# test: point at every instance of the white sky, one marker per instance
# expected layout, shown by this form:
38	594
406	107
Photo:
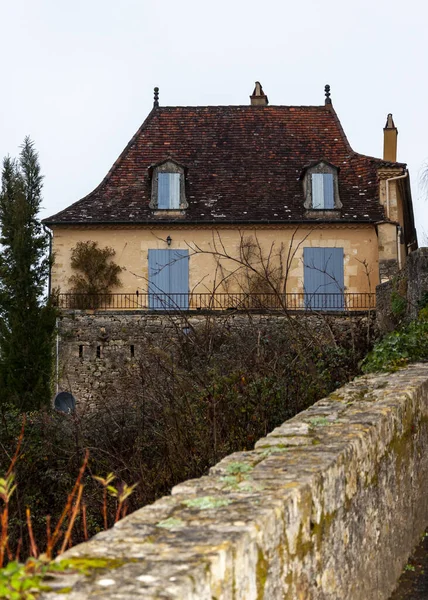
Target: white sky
78	76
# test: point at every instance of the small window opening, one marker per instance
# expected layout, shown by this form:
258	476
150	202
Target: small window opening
169	190
132	351
98	351
80	351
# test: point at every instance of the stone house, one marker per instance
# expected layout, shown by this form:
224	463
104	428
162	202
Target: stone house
208	206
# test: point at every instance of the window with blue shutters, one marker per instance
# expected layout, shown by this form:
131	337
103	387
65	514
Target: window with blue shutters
321	187
168	189
323	278
168	279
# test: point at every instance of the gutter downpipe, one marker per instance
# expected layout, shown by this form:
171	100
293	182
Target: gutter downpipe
406	174
57	355
50	234
398	247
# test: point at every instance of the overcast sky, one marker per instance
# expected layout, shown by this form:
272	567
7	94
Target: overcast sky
78	76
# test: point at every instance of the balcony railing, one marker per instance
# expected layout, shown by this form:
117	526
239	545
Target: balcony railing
219	301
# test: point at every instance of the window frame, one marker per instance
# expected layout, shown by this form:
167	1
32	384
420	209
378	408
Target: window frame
321	168
171	167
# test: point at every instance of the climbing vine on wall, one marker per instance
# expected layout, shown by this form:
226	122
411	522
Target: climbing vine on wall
95	271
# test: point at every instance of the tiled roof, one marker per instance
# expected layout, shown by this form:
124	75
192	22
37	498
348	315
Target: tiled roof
243	164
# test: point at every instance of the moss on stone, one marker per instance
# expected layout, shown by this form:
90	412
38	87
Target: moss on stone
87	564
302	548
262	569
206	502
321	529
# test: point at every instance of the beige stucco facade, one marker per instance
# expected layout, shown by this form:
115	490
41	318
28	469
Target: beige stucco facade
391	250
277	249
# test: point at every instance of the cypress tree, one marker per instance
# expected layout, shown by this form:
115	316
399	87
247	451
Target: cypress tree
27	320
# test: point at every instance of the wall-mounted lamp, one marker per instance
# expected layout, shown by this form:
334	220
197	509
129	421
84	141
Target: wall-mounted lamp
169	240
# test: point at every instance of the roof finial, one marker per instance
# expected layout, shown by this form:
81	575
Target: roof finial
156	100
327	94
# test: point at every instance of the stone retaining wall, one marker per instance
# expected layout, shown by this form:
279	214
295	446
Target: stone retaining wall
409	285
95	349
328	506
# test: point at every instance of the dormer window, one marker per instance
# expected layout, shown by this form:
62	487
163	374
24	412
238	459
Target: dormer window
168	190
321	187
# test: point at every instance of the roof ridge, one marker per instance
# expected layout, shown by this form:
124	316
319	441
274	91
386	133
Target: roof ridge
380	160
339	125
246	106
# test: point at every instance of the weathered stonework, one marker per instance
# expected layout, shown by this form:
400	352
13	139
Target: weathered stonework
417	277
409	284
327	506
96	349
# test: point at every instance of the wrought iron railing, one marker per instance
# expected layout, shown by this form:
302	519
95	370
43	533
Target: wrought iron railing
218	301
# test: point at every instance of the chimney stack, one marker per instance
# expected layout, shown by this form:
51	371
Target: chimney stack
258	97
390	133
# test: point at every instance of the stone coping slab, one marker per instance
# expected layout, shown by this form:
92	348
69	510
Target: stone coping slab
327	506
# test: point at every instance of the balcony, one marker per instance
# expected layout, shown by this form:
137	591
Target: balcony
256	302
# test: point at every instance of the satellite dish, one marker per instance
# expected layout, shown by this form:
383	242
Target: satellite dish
65	402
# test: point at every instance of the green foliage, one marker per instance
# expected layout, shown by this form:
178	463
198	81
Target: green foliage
45	471
25	581
236	468
7	487
398	304
423	302
397	349
98	274
171	523
21	581
319	421
27	322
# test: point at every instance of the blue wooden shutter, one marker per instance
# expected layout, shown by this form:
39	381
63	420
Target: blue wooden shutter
179	279
163	190
317	191
323	278
158	279
328	190
168	279
174	183
322	191
333	259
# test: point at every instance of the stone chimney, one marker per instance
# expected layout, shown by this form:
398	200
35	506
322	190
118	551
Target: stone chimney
390	133
258	97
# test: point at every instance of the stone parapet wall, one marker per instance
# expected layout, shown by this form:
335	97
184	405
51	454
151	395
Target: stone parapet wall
327	506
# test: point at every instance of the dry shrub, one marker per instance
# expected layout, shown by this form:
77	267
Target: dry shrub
188	400
98	274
